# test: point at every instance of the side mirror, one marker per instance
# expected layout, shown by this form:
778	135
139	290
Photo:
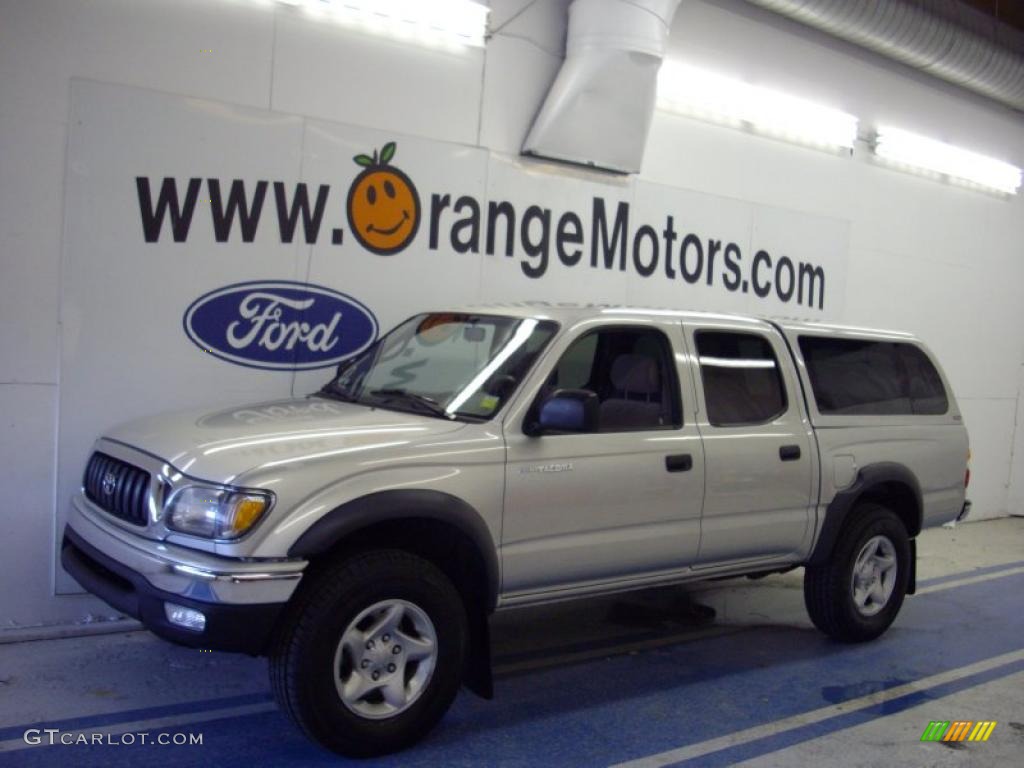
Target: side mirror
566	410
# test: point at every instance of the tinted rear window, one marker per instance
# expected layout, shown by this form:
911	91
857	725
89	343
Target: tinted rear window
853	376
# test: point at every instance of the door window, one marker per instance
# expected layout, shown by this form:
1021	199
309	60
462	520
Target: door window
632	373
741	377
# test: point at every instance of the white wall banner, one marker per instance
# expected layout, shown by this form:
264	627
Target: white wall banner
215	254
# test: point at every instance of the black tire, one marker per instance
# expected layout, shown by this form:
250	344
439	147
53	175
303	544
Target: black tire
828	588
302	657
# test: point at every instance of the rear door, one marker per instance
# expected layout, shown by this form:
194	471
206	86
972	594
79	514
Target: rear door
619	503
760	457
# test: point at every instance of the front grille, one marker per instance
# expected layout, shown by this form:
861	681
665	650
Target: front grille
117	487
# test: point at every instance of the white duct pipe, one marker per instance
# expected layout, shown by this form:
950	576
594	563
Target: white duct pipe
599	109
944	38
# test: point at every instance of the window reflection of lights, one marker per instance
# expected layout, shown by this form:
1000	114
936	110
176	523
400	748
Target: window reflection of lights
523	332
727	362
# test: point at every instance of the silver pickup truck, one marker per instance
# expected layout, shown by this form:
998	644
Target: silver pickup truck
482	458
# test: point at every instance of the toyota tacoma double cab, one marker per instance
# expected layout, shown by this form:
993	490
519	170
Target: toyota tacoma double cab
483	458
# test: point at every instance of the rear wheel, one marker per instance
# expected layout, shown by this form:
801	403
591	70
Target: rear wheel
856	595
371	653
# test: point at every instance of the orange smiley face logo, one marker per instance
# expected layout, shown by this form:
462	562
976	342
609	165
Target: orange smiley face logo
383	205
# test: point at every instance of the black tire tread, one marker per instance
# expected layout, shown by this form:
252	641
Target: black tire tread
825	585
325	589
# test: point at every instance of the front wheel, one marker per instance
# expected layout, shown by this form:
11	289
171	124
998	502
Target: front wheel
856	595
371	654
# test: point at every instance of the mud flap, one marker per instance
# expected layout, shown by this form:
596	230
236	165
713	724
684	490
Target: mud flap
478	674
912	582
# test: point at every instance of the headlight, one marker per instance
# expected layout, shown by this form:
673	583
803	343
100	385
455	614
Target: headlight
215	513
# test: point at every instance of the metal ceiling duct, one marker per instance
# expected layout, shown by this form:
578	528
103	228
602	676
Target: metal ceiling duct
944	38
599	109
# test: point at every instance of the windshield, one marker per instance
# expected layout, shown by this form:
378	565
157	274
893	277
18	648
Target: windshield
444	364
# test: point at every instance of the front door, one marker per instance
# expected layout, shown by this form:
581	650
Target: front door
622	501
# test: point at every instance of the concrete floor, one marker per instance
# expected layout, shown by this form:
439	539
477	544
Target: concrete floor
646	679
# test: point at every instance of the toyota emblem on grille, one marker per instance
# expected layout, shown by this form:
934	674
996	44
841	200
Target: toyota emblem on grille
109	483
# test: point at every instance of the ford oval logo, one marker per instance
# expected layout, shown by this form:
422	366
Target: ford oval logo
279	325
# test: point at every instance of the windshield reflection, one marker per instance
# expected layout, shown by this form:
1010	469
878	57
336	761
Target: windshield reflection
446	365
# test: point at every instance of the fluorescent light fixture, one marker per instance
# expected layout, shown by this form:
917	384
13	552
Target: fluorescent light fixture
439	23
911	151
695	92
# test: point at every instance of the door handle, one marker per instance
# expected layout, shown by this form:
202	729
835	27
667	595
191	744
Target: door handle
789	452
681	462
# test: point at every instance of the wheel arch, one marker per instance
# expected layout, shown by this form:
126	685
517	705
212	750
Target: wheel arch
887	483
397	511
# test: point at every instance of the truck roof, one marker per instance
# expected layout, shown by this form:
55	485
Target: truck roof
569	312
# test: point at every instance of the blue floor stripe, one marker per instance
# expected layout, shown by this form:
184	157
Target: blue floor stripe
784	739
969	574
131	715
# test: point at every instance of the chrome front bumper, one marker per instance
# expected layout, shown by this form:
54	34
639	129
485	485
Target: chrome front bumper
182	571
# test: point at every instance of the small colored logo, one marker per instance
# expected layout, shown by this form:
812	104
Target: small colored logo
109	484
958	730
279	325
383	204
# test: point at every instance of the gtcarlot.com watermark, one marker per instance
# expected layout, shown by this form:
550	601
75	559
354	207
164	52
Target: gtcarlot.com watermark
43	737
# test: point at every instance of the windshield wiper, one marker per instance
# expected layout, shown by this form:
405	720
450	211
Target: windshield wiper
427	403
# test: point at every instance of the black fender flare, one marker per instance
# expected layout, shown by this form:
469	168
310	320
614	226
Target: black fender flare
839	509
397	505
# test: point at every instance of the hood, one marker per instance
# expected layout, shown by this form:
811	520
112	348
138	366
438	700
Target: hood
221	445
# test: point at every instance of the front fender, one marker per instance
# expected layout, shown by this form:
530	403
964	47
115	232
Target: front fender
400	504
